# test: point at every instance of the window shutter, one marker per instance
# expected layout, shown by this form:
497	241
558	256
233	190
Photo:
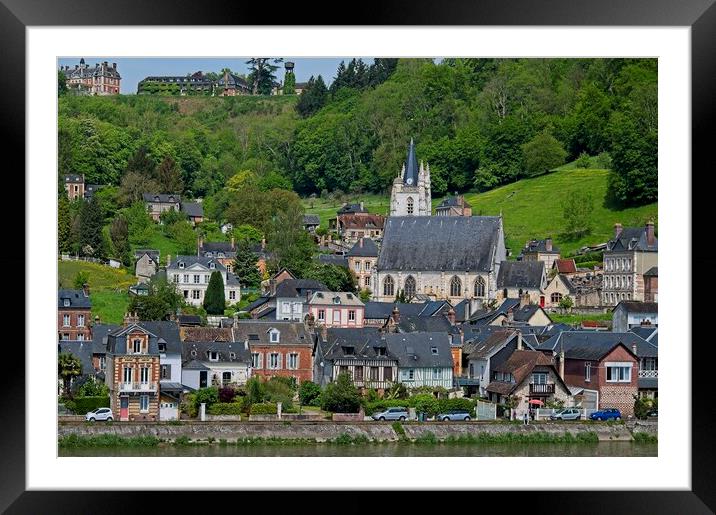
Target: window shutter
280	356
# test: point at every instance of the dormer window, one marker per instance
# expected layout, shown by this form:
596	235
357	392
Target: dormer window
274	336
434	350
193	353
181	264
336	300
137	346
162	347
66	302
212	266
379	351
213	355
348	350
232	355
208	254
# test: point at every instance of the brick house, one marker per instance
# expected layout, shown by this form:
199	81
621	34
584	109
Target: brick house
75	186
600	367
103	79
133	371
336	309
651	285
73	314
361	261
158	203
277	348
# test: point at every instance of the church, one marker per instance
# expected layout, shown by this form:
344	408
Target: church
444	258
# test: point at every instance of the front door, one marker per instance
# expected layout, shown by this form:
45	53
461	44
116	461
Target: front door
124	408
202	379
541	301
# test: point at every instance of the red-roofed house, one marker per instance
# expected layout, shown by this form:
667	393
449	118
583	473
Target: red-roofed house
565	266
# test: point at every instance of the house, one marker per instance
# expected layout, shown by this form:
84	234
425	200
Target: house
445	258
91	189
333	259
361	352
540	250
633	252
651	284
191	275
411	192
194	211
291	298
157	203
564	266
73	314
189	320
424	358
215	363
141	289
195	84
146	264
513	313
361	260
223	251
232	85
377	313
99	345
599	366
336	309
277	348
522	277
311	223
353	226
268	287
629	314
101	80
527	376
300	87
75	186
648	354
557	289
587	288
454	206
133	371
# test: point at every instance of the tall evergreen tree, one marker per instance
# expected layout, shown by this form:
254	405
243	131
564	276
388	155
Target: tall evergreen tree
90	228
245	265
142	163
119	233
64	224
214	300
289	84
169	176
340	79
262	74
313	97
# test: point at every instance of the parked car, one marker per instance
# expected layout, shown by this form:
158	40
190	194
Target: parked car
454	414
398	413
566	414
99	414
652	413
606	414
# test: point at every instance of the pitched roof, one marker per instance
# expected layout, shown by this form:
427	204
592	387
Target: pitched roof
311	220
520	274
99	337
382	310
228	352
335	297
416	323
420	349
333	259
193	260
484	347
652	272
539	246
427	243
257	332
361	221
192	209
632	238
79	349
635	306
592	345
565	266
357	342
161	197
74	178
195	365
153	254
453	202
206	334
351	208
76	298
644	331
364	247
189	320
520	364
298	287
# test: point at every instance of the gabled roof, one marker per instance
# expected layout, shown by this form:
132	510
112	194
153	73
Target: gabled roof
189	320
217	246
652	272
520	274
333	259
635	306
360	342
206	334
477	348
632	238
161	197
519	314
79	349
257	332
361	221
153	254
298	287
228	352
192	209
77	300
539	246
420	349
521	364
335	298
311	220
440	323
382	310
351	208
74	178
453	202
592	345
193	260
364	247
565	266
99	337
430	243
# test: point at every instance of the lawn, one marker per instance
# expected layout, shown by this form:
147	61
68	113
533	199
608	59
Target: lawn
109	305
166	246
573	319
326	209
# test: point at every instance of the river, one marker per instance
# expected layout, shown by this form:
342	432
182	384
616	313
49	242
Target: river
625	449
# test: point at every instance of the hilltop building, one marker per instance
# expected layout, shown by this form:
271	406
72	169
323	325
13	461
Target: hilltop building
102	79
411	189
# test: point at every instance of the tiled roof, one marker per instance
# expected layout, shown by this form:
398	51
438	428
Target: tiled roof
206	334
335	298
632	238
634	306
258	332
193	209
228	352
539	246
565	266
311	220
593	345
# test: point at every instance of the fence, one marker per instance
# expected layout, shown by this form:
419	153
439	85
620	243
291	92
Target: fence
545	413
486	410
108	262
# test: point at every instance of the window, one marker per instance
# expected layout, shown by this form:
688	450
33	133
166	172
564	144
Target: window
212	266
358	266
65	336
358	372
387	374
321	314
144	403
411	374
225	378
274	361
186	294
366	282
102	362
374	373
232	294
343	369
137	346
539	378
292	361
127	374
410	204
255	360
186	278
455	286
587	372
165	372
388	287
66	320
479	287
144	375
66	303
437	373
336	316
181	265
351	315
275	336
175	278
434	350
196	278
285	307
618	372
410	287
213	355
195	294
80	320
556	298
206	278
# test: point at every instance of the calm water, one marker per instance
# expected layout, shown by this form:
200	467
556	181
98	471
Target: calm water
628	449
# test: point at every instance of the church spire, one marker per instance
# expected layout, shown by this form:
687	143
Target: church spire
411	168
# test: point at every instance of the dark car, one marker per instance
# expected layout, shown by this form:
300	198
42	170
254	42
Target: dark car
606	414
652	413
454	414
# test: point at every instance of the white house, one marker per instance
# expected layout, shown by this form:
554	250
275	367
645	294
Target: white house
191	274
215	364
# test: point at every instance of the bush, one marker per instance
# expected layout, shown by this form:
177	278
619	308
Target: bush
308	392
583	161
84	404
226	395
603	160
642	407
263	408
226	408
341	396
93	388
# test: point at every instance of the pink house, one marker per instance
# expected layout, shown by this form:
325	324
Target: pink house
336	309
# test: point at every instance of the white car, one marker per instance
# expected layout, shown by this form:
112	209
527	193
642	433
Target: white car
99	414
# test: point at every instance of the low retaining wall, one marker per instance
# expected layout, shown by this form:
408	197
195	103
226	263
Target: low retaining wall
322	431
223	418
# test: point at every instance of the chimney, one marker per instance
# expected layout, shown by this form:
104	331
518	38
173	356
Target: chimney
233	243
650	232
617	230
96	320
360	243
451	316
130	318
467	310
519	340
561	364
395	315
114	65
548	244
86	289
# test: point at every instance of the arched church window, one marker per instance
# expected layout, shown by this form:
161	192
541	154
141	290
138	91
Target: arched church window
409	287
455	286
479	287
410	205
388	287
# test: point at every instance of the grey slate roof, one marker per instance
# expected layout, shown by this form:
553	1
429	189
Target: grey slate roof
160	332
257	332
191	260
257	303
652	272
593	345
229	352
195	365
79	349
351	208
333	259
648	383
99	337
414	350
74	178
362	341
539	246
520	274
192	209
432	243
412	324
364	247
152	253
519	314
632	238
382	310
483	346
163	197
644	331
452	202
189	320
298	287
634	306
311	220
91	189
77	300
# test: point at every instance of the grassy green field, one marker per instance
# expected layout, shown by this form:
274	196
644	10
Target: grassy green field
326	209
573	319
108	287
532	208
159	241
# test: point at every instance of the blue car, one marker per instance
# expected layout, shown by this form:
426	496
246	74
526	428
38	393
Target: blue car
606	414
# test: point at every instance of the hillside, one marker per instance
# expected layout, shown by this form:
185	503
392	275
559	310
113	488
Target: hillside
531	208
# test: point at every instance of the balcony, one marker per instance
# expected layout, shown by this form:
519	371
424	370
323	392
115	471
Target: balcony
138	387
648	373
541	389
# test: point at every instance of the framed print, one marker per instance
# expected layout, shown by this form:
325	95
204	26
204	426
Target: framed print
290	272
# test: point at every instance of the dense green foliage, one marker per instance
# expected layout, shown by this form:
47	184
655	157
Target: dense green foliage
309	392
226	408
245	265
214	299
264	408
162	301
68	367
82	405
341	396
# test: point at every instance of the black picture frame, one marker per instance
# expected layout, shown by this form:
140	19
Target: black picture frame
699	15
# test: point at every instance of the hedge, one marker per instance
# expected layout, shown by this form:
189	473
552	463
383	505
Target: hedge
81	405
263	408
226	408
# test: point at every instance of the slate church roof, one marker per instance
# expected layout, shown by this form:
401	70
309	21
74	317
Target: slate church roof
520	274
439	243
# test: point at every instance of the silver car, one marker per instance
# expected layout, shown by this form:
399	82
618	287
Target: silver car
99	414
392	414
455	414
566	414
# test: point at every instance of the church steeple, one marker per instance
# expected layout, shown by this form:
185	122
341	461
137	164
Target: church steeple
411	169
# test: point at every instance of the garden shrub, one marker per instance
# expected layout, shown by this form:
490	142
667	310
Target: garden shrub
263	408
226	408
84	404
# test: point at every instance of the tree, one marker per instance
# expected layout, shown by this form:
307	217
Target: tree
308	392
341	396
61	83
214	300
577	212
290	243
172	216
335	277
543	153
365	295
64	225
245	265
183	235
169	176
262	75
90	230
400	296
289	84
162	301
68	367
140	226
81	278
255	390
247	233
566	303
119	233
134	185
93	388
313	97
141	163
